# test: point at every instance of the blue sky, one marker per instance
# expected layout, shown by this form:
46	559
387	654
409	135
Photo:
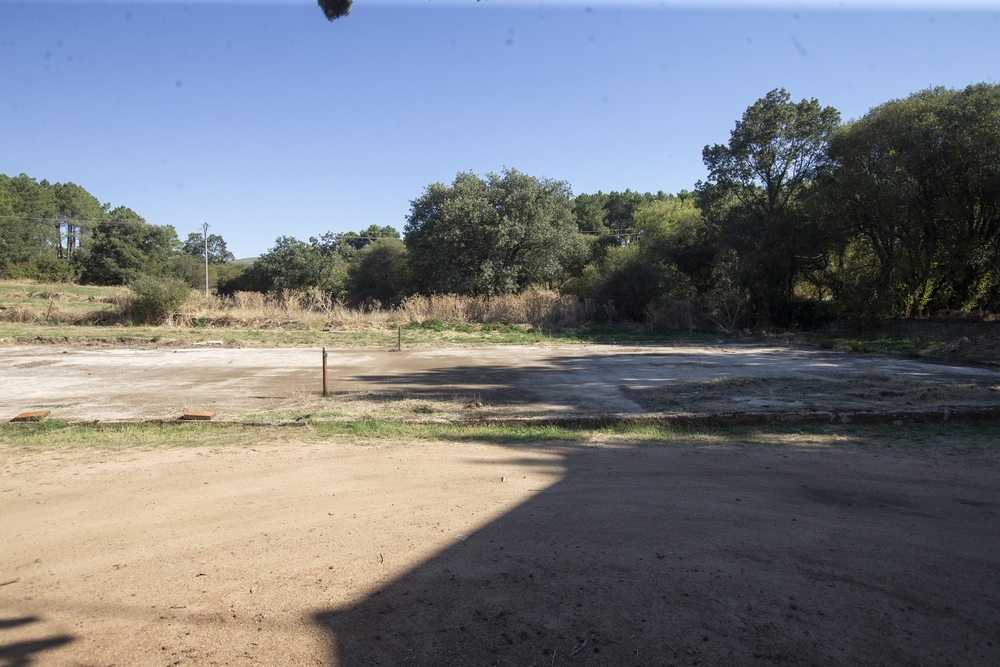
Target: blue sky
263	119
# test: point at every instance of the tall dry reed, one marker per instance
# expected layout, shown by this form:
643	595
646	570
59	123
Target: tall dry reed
315	310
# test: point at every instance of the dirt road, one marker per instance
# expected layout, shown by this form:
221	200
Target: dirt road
77	383
333	553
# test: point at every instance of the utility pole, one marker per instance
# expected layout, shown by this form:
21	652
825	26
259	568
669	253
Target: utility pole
204	235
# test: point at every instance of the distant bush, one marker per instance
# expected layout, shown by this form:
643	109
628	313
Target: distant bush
379	272
191	270
47	270
154	300
235	278
221	276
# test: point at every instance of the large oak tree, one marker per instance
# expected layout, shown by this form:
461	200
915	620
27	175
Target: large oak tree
490	236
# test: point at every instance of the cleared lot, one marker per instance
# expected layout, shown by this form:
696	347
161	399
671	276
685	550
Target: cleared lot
837	546
470	381
832	550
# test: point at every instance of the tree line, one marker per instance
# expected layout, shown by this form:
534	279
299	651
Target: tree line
60	232
802	219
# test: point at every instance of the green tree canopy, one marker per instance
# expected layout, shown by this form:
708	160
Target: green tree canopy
194	246
491	236
667	218
123	247
321	263
645	267
298	265
78	209
358	240
27	208
591	215
756	189
918	182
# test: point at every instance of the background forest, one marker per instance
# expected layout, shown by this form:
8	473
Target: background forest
803	219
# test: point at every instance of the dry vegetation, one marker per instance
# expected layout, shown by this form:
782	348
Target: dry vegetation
544	310
28	304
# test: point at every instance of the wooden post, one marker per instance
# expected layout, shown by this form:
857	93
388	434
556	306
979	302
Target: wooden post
399	338
325	392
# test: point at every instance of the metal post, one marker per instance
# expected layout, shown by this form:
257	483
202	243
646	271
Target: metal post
325	392
399	338
204	234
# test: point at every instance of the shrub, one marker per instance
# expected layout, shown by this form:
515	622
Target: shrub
630	279
431	324
154	300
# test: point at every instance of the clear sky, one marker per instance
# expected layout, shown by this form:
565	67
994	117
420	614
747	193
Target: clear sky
263	119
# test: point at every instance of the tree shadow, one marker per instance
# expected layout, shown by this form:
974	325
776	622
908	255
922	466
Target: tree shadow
633	382
670	556
571	382
25	652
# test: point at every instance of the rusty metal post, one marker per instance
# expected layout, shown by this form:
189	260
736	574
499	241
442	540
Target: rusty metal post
399	338
325	392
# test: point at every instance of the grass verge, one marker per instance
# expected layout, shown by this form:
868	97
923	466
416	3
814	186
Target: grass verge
969	440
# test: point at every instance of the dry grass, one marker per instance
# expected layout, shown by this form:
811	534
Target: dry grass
543	310
297	310
62	304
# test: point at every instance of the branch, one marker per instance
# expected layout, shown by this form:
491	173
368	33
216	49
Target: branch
335	9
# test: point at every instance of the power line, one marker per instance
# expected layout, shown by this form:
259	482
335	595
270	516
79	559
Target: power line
73	220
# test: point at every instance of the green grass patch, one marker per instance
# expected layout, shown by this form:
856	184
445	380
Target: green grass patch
58	435
978	441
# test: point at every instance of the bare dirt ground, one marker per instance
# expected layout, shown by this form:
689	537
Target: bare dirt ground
340	553
450	382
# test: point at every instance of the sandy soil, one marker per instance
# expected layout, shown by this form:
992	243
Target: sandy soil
453	382
333	553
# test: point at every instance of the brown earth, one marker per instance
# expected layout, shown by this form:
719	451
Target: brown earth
340	553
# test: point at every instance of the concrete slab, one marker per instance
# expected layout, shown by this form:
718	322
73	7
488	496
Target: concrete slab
516	380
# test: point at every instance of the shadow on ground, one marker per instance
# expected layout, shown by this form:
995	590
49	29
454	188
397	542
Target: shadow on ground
663	556
25	653
717	381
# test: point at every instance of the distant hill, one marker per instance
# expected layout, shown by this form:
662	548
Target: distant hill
245	260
